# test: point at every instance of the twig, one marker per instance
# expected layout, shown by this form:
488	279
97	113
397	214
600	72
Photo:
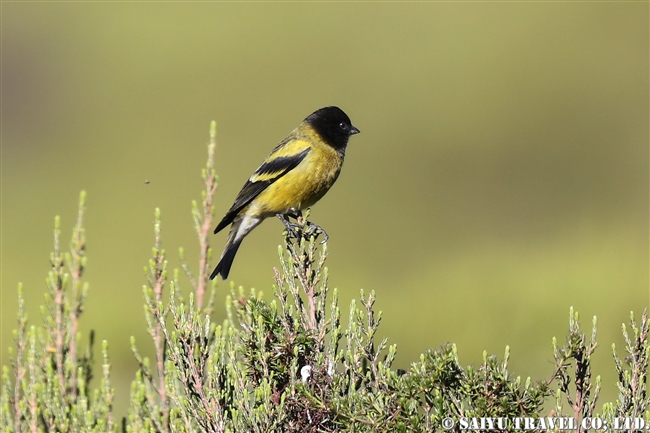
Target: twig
204	229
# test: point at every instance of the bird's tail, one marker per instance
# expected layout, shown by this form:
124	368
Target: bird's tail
239	229
223	267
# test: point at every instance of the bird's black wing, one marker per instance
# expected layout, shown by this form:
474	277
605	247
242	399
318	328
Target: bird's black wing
276	165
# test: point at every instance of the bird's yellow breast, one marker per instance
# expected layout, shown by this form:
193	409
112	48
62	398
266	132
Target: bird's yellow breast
304	185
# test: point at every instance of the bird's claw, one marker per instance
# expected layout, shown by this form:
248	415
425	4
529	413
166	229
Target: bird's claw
315	230
293	229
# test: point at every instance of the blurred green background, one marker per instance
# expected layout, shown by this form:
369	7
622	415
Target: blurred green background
501	175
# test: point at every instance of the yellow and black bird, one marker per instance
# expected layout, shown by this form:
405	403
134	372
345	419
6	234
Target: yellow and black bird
297	173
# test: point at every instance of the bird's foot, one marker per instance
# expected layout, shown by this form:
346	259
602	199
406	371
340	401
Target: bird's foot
314	230
298	228
292	228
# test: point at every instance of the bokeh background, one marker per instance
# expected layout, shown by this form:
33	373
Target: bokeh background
501	175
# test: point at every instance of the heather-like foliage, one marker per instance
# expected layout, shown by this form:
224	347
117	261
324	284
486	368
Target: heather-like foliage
298	362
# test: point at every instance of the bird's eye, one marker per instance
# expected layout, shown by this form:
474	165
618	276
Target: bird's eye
343	126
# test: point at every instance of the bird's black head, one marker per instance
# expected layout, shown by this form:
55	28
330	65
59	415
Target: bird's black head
333	125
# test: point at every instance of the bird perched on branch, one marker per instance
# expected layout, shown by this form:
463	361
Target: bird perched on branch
297	173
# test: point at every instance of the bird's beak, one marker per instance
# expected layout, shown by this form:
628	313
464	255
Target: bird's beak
354	130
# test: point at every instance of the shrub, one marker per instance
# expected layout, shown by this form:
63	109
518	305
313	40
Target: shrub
285	365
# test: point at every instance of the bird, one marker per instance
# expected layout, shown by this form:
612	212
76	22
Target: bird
294	176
